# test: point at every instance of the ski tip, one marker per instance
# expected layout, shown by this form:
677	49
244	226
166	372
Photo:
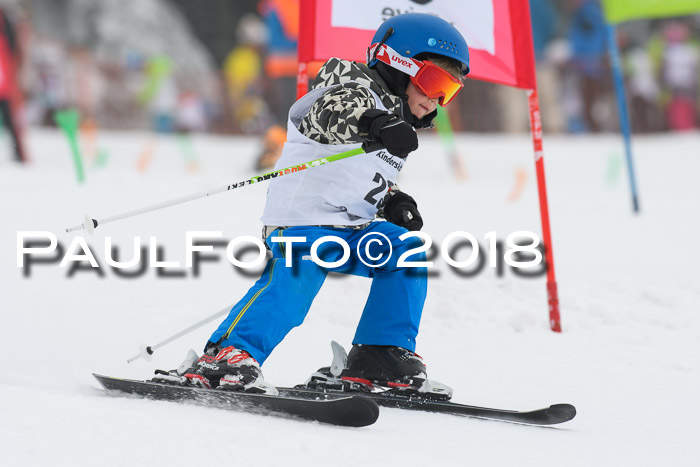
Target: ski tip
562	412
100	377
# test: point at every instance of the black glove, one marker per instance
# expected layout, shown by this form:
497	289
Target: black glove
400	209
397	136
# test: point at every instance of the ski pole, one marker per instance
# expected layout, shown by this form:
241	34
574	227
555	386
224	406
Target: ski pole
91	224
145	351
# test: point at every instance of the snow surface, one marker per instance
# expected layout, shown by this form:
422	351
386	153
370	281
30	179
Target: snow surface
628	285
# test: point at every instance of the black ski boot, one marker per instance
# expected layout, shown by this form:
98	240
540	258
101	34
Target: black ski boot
390	366
377	368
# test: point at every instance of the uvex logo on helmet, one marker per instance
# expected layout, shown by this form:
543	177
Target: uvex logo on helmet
401	61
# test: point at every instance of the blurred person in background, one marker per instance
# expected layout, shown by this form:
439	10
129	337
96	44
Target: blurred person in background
10	95
642	86
281	18
680	69
587	38
191	114
48	81
160	93
545	21
86	84
243	70
273	143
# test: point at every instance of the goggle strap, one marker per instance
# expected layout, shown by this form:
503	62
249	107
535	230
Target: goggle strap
386	54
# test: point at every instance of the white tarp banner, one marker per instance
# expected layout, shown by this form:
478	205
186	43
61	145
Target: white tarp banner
473	18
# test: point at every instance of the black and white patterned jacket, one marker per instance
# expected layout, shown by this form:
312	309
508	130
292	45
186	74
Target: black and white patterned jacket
334	118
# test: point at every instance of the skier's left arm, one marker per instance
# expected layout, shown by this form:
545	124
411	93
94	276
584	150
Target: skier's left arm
401	209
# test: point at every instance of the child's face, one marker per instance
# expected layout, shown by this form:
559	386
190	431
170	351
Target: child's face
420	104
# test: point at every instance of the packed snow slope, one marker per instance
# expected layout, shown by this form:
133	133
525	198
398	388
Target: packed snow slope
629	289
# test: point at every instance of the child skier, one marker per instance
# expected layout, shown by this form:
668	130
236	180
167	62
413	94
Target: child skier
415	61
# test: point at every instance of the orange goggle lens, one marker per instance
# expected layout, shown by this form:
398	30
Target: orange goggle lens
433	81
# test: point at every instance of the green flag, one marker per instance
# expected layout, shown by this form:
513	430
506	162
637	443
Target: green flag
617	11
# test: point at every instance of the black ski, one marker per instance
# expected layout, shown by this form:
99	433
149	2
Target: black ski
344	410
552	415
329	406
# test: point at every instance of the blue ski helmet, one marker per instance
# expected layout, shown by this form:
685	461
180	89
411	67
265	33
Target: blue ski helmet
418	33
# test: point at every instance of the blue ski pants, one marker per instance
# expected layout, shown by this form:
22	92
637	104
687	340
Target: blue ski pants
281	298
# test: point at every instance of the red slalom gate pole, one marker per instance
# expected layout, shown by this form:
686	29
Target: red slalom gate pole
302	79
536	128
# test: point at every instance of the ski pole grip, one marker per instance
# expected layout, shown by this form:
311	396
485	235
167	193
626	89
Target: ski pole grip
371	146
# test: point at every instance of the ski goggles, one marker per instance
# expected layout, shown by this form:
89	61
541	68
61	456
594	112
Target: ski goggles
434	81
429	78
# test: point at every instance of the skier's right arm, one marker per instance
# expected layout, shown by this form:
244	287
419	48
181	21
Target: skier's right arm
335	117
347	114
